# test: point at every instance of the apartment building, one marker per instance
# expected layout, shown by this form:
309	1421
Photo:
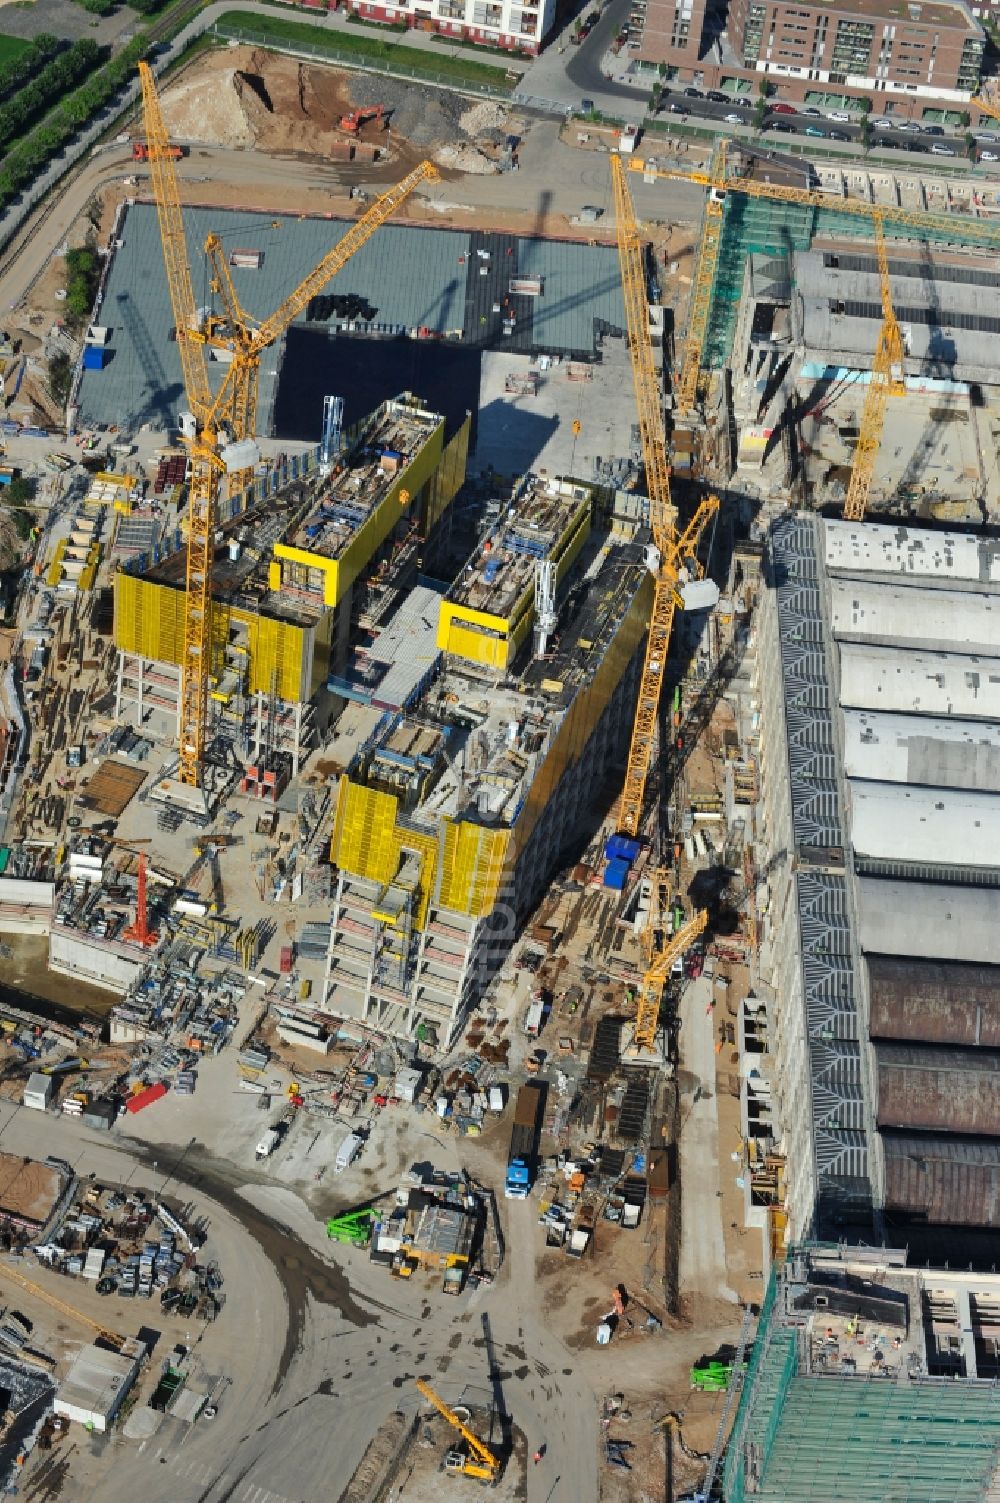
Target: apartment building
518	25
933	50
899	48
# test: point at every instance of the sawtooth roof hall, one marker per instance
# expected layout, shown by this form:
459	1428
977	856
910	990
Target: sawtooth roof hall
878	668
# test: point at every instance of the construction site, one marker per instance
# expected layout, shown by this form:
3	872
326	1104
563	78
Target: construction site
503	738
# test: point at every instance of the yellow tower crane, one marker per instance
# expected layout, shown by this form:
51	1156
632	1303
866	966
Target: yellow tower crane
660	957
673	554
702	285
481	1462
224	421
720	183
886	381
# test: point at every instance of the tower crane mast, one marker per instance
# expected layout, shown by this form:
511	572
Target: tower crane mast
672	552
229	414
886	381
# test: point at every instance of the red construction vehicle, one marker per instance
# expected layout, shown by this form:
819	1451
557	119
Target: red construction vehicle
140	152
353	122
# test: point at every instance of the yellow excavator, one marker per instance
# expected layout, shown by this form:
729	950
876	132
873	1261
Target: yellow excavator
477	1460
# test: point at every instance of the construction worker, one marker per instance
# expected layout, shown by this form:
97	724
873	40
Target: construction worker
538	1455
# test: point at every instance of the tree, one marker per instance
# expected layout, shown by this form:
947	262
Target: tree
24	520
970	146
60	377
20	491
655	97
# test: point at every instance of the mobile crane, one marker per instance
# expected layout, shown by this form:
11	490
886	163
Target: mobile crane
480	1462
221	428
112	1338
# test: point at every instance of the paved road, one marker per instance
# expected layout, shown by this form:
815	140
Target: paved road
319	1346
702	1262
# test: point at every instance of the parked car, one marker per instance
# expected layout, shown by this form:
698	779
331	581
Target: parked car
883	123
989	156
814	130
837	115
789	130
783	109
718	98
933	130
733	119
810	112
837	135
940	150
987	135
693	94
676	109
908	125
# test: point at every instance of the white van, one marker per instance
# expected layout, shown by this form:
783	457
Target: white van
348	1152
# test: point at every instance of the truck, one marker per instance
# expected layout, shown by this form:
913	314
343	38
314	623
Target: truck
140	152
268	1143
348	1152
524	1142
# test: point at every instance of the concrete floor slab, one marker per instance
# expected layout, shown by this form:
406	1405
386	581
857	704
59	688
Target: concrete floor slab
702	1266
520	433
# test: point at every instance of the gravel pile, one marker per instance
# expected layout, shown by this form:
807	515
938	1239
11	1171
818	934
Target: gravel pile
424	115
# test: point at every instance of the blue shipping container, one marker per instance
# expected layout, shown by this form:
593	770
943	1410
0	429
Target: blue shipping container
93	357
624	846
616	874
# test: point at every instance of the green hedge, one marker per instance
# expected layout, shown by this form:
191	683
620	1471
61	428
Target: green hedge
56	79
30	155
20	61
276	30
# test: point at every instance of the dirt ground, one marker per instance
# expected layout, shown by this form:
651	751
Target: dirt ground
248	98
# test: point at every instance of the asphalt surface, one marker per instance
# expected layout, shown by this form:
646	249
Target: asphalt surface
314	1347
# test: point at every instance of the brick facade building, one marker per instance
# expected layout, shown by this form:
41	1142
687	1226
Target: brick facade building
926	50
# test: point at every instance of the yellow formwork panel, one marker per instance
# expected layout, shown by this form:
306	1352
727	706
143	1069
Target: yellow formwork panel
368	842
149	620
365	839
471	867
54	574
448	478
456	634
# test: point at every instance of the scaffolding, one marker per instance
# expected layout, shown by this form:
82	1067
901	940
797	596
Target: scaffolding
804	1436
774	227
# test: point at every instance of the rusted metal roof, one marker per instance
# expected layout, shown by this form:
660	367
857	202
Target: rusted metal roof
945	1181
934	1002
943	1090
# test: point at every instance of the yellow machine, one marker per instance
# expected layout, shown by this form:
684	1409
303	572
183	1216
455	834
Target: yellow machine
673	552
886	381
480	1462
223	422
659	960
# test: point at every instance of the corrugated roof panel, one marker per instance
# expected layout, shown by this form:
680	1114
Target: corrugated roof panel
934	1003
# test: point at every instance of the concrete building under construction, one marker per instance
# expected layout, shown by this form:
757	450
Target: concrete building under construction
293	560
877	672
868	1379
453	812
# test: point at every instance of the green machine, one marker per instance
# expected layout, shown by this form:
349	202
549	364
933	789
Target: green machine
712	1378
355	1228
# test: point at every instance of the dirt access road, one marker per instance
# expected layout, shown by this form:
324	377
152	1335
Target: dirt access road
316	1352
